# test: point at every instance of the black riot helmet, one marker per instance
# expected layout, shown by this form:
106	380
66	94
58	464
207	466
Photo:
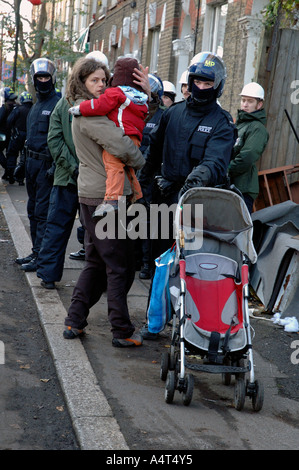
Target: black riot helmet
25	97
156	84
208	66
41	67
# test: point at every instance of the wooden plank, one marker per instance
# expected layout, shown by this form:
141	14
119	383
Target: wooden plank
282	148
292	107
294	187
283	80
277	188
288	168
274	113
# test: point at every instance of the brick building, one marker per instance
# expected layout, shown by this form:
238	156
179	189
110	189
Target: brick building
165	35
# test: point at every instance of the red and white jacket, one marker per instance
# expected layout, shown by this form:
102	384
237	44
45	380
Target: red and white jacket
128	110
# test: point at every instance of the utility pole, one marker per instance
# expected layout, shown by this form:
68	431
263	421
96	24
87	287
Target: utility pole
1	47
52	28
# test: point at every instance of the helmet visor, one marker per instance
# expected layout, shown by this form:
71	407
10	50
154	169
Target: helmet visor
42	67
208	67
155	84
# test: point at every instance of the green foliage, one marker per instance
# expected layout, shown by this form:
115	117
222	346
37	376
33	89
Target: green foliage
54	41
285	8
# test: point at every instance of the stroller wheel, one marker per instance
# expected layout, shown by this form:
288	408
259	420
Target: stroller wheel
173	361
240	393
258	396
188	389
170	386
165	359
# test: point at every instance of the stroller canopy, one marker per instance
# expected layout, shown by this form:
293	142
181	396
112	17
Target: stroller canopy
217	214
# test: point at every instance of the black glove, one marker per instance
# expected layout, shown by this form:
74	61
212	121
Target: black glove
165	186
146	174
200	176
19	172
50	172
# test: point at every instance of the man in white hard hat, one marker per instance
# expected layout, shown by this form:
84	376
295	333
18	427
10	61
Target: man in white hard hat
169	94
251	142
184	85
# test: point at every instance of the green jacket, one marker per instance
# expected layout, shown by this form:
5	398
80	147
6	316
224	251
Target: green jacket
251	142
61	145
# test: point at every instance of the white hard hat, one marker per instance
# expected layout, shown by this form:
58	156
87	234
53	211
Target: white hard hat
254	90
99	56
184	77
169	87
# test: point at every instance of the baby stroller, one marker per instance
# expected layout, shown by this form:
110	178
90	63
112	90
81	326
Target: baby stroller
209	295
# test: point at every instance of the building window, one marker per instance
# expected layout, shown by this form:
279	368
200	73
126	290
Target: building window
214	28
153	50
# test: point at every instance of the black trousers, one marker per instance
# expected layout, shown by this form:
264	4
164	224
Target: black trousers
62	211
16	144
109	266
39	189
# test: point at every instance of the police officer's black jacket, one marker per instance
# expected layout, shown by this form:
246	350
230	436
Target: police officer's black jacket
38	121
149	126
189	135
18	117
5	111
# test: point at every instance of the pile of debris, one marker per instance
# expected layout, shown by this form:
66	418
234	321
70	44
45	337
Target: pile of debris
275	276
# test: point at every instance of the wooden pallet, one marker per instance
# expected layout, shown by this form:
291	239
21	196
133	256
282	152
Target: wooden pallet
275	186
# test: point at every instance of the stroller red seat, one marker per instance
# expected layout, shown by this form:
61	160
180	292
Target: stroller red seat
213	302
214	298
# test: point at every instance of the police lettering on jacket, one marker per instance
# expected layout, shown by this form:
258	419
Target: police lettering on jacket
38	121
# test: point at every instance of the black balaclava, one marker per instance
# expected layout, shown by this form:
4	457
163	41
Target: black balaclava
43	88
203	96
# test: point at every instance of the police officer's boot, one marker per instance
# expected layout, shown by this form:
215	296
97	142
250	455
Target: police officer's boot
146	272
25	260
31	266
10	176
5	175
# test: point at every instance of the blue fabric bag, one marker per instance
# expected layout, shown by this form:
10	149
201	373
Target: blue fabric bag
159	310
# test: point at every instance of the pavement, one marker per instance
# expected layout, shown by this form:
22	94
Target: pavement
94	424
115	397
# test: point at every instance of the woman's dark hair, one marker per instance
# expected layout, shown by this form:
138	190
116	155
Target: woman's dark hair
76	82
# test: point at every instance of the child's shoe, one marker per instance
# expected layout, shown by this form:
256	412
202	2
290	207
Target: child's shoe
134	340
71	333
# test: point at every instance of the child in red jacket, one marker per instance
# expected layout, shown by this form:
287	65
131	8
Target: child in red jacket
125	105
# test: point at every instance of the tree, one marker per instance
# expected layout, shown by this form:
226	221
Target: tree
51	39
288	9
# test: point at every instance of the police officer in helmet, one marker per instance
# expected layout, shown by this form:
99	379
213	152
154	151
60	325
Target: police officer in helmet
17	123
39	162
193	142
5	110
